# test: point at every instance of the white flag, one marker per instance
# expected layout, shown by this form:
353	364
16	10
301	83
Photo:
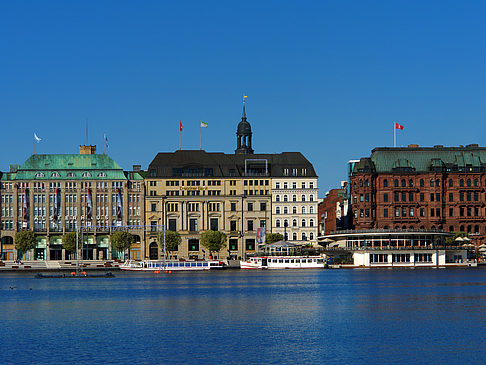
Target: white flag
37	139
106	141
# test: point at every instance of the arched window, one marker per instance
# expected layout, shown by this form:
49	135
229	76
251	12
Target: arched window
55	174
303	223
311	209
385	183
311	222
360	183
294	198
432	182
422	183
39	174
285	210
277	210
303	198
286	222
277	198
461	183
476	229
437	182
286	198
101	174
403	183
277	223
303	210
476	182
294	210
86	174
410	183
311	236
451	228
311	198
294	222
461	228
469	229
451	183
468	182
304	238
395	183
367	183
294	236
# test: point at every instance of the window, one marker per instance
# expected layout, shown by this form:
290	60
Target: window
385	183
277	210
422	197
468	182
285	198
263	207
233	226
213	224
250	244
277	198
277	223
250	207
410	183
193	244
294	198
396	196
233	207
303	223
311	222
153	207
422	183
404	184
451	183
233	244
385	197
172	225
294	222
193	224
385	213
250	225
410	197
451	196
461	183
303	198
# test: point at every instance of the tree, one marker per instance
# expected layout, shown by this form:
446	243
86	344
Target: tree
69	242
451	240
213	240
24	241
172	240
273	237
121	241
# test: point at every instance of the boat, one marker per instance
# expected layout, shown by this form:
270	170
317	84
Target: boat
284	262
146	265
74	275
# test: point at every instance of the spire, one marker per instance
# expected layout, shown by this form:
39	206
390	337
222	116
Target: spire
243	117
243	134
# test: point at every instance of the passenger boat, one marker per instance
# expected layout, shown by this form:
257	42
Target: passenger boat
284	262
145	265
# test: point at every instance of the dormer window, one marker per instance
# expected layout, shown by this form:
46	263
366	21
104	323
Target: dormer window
39	174
55	174
101	174
70	174
86	174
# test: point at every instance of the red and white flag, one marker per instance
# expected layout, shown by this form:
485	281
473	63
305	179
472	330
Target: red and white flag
398	126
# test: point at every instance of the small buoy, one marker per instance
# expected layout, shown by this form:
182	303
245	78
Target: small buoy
156	271
170	271
166	271
73	273
84	273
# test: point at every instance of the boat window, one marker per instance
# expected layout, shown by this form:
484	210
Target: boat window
280	261
292	261
205	264
199	264
188	264
286	261
193	264
169	264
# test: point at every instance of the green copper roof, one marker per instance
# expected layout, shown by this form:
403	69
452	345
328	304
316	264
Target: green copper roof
422	159
70	167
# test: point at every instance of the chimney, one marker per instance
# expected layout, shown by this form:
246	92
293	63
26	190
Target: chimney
87	150
413	145
137	168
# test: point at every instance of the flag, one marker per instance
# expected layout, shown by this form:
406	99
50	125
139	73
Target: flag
57	200
118	206
106	140
180	122
25	212
37	139
398	126
204	124
244	96
89	205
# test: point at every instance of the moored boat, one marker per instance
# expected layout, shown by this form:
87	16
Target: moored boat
284	262
146	265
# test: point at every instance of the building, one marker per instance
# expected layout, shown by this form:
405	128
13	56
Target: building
395	248
333	211
190	191
437	188
53	194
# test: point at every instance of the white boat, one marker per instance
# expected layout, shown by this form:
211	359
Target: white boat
284	262
133	265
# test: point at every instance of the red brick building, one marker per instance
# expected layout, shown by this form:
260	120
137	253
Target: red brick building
333	211
437	187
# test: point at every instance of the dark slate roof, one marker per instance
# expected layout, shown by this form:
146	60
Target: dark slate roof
227	165
424	159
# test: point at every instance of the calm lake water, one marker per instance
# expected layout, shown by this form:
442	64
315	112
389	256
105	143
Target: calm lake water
291	317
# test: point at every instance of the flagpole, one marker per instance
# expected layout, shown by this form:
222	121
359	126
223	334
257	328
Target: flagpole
200	133
394	136
180	135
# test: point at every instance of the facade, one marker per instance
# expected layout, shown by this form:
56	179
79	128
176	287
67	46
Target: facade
55	194
437	187
333	211
396	248
194	191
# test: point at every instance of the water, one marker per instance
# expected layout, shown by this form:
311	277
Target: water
276	317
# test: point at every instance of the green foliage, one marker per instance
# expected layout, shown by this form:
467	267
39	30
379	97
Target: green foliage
214	241
273	237
451	240
121	240
24	241
172	240
69	241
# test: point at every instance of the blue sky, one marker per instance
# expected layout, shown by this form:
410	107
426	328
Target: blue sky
327	78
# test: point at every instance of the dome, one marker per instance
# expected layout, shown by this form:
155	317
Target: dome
244	127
